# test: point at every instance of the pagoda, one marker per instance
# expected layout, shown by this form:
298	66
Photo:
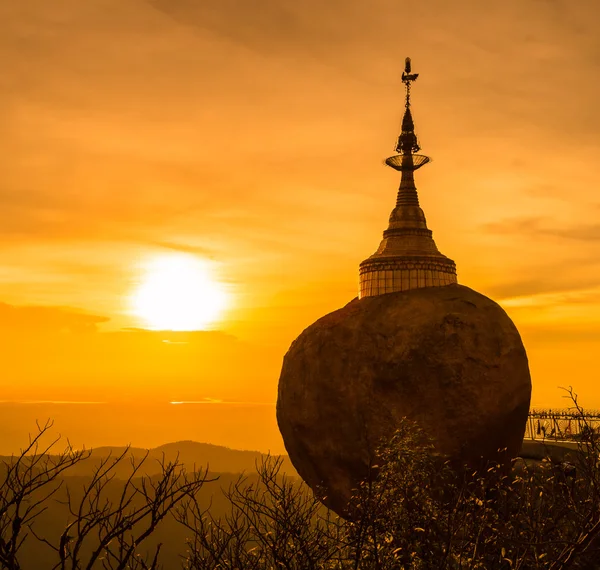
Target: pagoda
407	257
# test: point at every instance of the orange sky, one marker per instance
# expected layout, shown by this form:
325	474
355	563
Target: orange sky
252	135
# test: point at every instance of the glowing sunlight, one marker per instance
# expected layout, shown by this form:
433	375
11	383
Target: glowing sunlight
177	292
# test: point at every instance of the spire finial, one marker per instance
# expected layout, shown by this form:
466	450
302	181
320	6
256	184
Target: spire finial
407	78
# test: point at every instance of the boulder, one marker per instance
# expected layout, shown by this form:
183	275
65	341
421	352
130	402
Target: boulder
447	358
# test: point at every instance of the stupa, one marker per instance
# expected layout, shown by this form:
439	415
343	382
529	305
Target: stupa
407	257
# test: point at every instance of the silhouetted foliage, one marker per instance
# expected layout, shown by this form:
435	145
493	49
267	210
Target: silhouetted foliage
416	512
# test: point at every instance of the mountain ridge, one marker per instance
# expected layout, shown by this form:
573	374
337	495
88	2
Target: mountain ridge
192	454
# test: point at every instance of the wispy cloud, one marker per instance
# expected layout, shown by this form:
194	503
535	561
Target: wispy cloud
185	248
572	297
212	401
538	226
31	319
56	402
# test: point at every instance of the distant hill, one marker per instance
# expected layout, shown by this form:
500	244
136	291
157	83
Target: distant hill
192	454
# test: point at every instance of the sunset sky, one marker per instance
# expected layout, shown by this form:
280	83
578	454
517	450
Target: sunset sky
249	136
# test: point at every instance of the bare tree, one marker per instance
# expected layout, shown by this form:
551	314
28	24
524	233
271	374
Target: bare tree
101	531
27	482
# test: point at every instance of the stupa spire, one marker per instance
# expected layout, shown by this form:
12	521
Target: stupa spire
407	257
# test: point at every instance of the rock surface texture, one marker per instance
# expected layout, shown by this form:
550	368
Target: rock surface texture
447	357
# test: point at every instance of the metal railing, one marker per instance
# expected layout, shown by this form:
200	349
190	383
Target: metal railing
561	425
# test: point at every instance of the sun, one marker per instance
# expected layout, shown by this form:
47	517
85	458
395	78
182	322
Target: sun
177	292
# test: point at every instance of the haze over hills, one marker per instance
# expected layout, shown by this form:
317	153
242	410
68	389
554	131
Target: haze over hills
144	425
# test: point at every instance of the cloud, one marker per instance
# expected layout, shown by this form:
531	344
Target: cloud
185	248
584	232
274	25
577	296
541	335
540	282
538	226
541	277
514	226
215	401
32	320
175	337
